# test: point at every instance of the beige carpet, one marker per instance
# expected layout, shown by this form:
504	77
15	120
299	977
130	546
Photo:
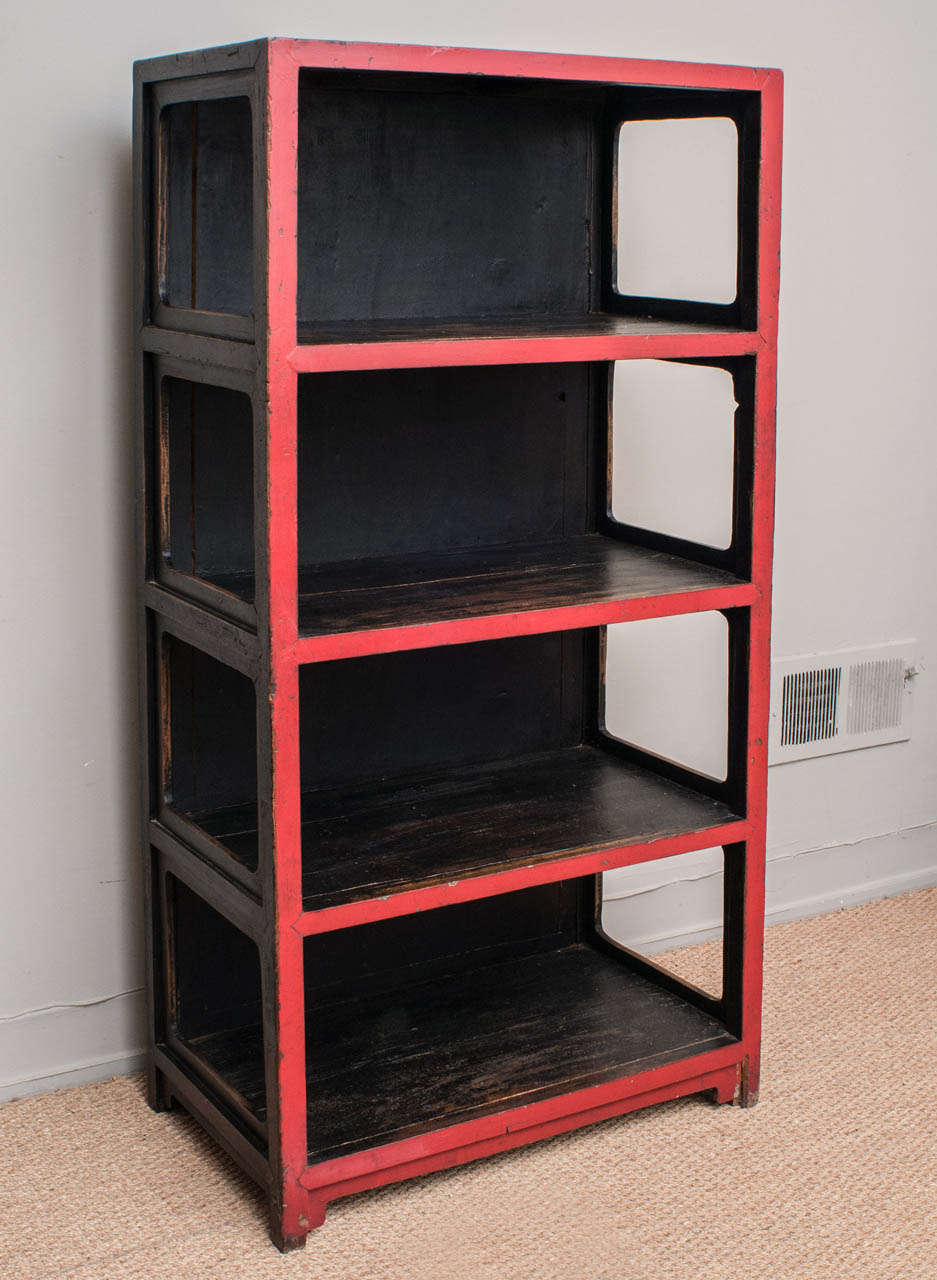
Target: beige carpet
833	1174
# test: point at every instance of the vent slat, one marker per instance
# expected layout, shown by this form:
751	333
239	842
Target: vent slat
809	704
875	695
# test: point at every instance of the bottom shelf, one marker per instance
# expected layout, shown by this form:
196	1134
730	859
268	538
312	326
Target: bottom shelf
391	1065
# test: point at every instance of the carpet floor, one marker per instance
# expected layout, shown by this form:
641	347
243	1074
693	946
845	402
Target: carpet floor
833	1174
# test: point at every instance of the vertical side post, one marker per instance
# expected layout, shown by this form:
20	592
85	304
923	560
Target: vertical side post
278	721
157	1095
769	229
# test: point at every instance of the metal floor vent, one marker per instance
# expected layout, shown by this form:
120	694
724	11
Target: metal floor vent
824	703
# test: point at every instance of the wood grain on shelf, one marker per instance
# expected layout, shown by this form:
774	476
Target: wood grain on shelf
449	328
395	591
361	842
471	1043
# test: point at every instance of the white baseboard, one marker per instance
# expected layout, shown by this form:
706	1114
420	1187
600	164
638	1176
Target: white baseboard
91	1073
67	1044
652	916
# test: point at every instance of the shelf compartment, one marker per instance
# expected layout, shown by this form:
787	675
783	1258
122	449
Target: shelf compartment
431	495
431	766
391	838
382	1068
508	516
203	184
214	994
420	1022
208	748
477	200
205	481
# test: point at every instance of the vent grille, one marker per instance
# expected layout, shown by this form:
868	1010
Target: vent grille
875	695
840	701
809	705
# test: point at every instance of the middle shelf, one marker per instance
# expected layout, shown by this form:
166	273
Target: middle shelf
428	496
430	766
390	837
416	589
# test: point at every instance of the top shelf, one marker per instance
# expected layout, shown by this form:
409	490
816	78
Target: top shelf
460	210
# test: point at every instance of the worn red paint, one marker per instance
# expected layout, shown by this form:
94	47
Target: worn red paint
301	1192
287	1090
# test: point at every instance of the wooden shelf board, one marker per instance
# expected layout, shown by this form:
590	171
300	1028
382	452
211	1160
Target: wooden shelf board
524	339
416	590
383	1068
363	843
452	328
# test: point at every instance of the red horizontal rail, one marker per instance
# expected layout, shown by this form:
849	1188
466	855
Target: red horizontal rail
547	871
425	635
326	357
339	55
509	1128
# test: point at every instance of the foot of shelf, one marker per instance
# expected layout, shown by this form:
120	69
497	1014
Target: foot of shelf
289	1228
287	1244
158	1096
747	1093
725	1092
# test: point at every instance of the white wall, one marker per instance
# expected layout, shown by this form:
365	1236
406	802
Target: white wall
857	457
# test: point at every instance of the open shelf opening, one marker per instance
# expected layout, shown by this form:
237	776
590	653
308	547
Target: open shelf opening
215	1020
672	912
677	209
206	507
667	689
209	749
429	494
459	202
673	447
205	208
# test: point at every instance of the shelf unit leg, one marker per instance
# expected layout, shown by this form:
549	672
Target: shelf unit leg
293	1214
749	1072
727	1090
158	1096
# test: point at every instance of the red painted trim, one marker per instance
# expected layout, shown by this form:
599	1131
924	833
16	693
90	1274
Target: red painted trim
519	1125
723	1082
769	206
305	1188
354	644
281	138
432	352
769	230
339	55
491	884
